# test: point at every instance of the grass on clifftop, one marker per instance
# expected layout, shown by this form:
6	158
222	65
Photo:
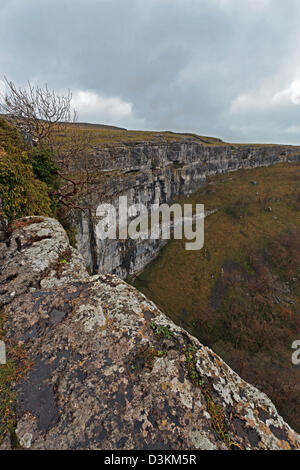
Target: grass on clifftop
240	294
99	134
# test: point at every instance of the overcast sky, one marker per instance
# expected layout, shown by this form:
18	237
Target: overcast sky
227	68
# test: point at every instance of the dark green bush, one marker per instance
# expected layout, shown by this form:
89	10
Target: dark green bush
21	193
44	166
26	176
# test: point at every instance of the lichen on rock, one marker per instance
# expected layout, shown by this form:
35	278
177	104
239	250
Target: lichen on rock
109	369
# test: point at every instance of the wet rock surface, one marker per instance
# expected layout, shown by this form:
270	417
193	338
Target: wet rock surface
111	371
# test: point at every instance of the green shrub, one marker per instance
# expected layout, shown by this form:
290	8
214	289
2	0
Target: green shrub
21	193
27	176
44	166
10	138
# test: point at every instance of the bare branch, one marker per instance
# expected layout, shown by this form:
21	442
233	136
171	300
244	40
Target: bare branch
35	110
49	120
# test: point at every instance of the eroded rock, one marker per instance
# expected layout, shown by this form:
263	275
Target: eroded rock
111	371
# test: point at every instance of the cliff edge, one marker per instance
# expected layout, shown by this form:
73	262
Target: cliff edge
105	369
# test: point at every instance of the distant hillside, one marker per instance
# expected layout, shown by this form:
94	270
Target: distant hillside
101	133
98	126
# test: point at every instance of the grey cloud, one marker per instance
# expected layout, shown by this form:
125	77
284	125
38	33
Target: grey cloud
172	64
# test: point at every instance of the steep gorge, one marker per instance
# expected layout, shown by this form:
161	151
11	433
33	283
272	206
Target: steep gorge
151	172
80	346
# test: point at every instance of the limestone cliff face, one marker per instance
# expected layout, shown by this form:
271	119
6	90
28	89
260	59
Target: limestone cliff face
149	173
111	371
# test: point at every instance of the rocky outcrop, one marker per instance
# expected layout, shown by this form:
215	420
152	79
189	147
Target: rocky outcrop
151	172
111	371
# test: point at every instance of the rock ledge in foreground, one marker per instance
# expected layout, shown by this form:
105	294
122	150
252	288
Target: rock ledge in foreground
111	371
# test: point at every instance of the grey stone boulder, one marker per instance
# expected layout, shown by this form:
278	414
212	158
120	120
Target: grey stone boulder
109	369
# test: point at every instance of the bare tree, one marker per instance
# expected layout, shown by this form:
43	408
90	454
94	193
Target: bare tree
71	146
48	119
36	110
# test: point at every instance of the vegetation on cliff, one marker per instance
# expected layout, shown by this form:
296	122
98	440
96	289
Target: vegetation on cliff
23	188
240	294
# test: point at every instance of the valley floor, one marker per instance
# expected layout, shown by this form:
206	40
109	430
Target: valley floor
240	294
